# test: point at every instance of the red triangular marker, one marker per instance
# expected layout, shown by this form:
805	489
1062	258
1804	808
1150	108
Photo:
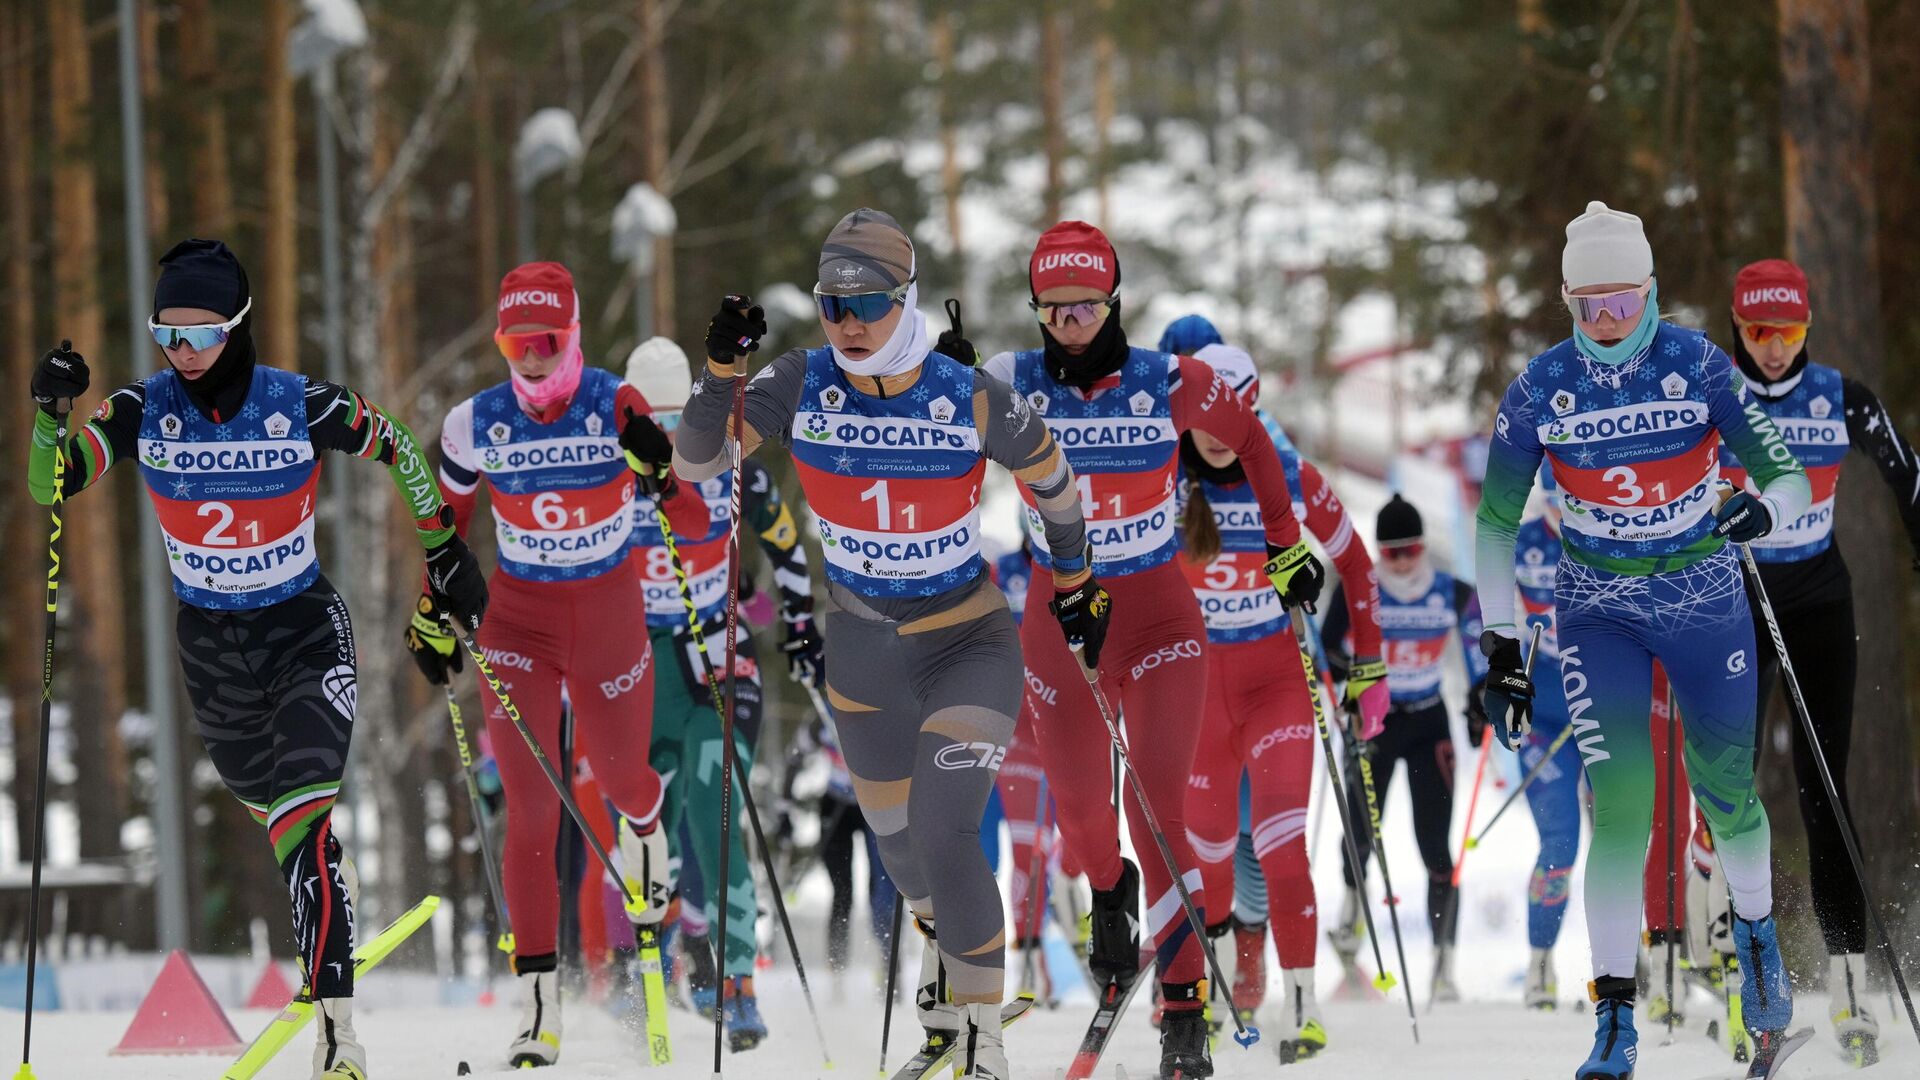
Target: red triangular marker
272	991
179	1016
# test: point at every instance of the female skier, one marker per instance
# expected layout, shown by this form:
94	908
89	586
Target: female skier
1632	411
1821	414
1118	412
1259	716
890	440
548	443
229	453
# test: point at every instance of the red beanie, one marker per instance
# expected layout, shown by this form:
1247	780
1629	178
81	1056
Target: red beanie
1771	291
1073	253
538	292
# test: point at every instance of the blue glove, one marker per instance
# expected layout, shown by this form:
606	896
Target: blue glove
1742	519
1508	692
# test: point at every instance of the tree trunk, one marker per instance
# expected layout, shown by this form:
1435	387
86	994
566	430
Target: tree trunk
950	178
199	60
96	662
1052	76
26	527
157	206
1827	147
656	118
1103	62
279	309
486	191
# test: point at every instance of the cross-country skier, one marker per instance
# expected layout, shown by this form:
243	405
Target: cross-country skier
1821	414
1421	607
1259	715
1632	412
229	450
686	729
1119	412
842	829
890	440
552	444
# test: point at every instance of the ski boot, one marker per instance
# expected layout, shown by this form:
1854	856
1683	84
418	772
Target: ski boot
337	1055
644	866
1853	1025
1443	986
1183	1032
980	1055
1300	1012
1616	1044
1035	976
1113	953
939	1017
703	978
1543	986
1346	936
1659	1007
1766	996
745	1029
1250	967
538	1042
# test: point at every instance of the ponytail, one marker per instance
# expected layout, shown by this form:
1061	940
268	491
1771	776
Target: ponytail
1198	529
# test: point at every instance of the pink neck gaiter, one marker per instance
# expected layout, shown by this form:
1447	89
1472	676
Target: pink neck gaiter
560	383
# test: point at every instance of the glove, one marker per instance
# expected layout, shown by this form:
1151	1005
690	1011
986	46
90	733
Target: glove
1296	575
1083	614
61	373
1477	715
1508	691
455	581
649	452
953	341
736	329
1742	519
434	650
1367	697
806	653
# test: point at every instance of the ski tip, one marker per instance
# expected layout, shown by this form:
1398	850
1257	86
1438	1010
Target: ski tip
1247	1036
1472	843
1385	981
25	1072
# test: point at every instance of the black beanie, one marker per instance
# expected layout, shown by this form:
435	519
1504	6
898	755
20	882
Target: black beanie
1398	523
200	274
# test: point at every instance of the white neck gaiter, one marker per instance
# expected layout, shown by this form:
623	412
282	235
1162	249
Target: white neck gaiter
904	351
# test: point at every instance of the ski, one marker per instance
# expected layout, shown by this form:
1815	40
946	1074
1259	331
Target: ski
653	984
1113	1002
1766	1064
282	1028
931	1058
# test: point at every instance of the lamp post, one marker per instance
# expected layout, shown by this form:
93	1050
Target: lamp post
549	142
643	216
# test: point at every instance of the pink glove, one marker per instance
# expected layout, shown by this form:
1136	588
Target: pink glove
1367	695
1373	710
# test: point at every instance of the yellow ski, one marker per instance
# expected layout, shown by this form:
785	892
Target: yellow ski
653	983
282	1028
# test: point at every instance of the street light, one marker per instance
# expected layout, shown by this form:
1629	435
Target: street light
549	143
643	216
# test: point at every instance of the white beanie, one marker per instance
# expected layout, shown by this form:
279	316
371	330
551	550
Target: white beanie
1605	247
1234	366
658	368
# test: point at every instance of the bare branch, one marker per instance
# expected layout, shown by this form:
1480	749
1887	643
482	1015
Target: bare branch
425	130
711	106
747	142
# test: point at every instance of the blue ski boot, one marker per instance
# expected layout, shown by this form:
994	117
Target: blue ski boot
1766	999
745	1029
1615	1042
703	978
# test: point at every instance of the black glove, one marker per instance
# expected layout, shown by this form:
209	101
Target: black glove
61	374
1742	519
649	452
736	329
1477	715
953	341
430	642
806	653
1508	692
1083	614
1296	575
456	583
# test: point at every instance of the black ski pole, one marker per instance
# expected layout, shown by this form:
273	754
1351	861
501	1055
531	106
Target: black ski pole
505	939
893	977
61	408
1038	878
1673	799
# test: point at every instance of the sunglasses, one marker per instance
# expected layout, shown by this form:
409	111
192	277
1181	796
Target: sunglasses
1080	312
546	344
200	336
1403	551
667	421
1761	333
868	307
1621	305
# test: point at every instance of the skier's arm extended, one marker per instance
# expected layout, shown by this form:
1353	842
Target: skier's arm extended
459	467
1202	401
1011	435
773	396
1513	459
772	520
1750	434
112	433
1327	520
1870	429
1466	612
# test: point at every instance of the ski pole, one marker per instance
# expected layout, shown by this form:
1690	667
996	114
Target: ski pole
726	711
61	408
893	976
1384	981
1363	755
1036	888
1826	776
1539	767
1673	799
1460	860
546	764
494	888
1245	1034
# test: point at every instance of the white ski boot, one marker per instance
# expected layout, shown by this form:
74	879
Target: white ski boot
1304	1036
1658	1006
938	1015
980	1055
337	1055
1853	1025
645	866
538	1042
1443	985
1543	985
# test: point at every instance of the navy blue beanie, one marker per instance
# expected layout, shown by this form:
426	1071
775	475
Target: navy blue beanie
1187	334
201	274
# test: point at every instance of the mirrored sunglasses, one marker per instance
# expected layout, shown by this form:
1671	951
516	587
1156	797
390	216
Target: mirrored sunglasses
1761	333
867	307
200	336
545	344
1080	312
1621	305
